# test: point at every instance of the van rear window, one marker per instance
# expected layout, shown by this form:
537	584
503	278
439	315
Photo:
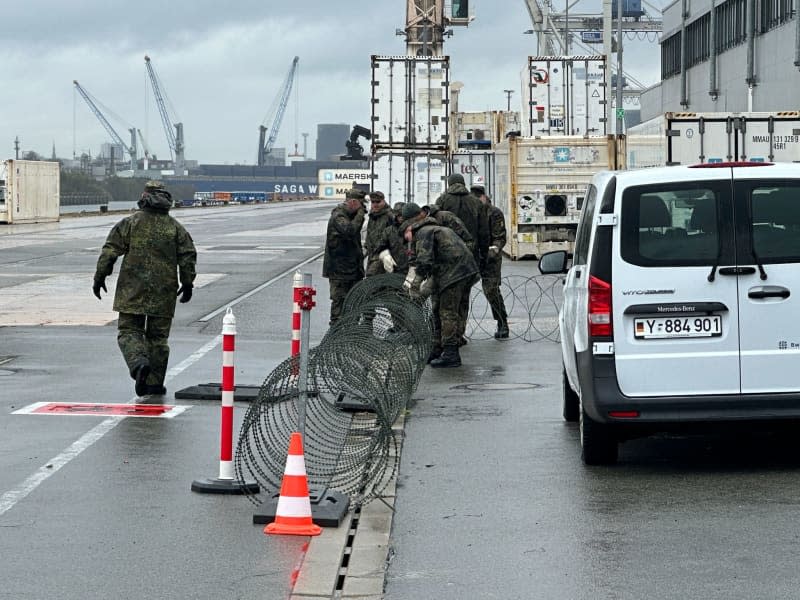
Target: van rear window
670	226
775	221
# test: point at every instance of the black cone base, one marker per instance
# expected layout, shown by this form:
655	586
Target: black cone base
328	508
224	486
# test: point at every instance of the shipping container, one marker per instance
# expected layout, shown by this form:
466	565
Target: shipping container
29	191
482	130
478	168
685	138
409	176
564	95
334	183
540	186
410	102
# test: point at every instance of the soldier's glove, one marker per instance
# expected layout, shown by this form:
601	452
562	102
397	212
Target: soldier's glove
426	287
410	277
494	251
387	260
99	284
185	292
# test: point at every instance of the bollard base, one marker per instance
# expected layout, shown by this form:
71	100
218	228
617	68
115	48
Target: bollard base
225	486
213	391
328	508
347	403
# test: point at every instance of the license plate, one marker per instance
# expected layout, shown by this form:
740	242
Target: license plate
648	328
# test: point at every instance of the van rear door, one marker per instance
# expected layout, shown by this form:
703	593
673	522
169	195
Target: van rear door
768	234
675	290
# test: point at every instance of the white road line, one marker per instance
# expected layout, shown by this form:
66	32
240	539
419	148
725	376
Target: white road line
236	301
10	498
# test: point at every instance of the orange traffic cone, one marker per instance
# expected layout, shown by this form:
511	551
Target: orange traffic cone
293	514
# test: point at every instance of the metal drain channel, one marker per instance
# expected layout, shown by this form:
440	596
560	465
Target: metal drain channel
348	551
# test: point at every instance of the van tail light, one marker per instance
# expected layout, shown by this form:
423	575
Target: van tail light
600	308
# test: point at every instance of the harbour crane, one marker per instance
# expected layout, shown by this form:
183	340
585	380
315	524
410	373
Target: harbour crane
131	150
174	139
278	108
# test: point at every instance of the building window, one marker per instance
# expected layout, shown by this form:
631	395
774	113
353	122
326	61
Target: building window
772	13
731	24
671	56
697	37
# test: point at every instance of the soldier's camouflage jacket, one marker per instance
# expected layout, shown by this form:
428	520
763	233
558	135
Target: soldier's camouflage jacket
458	200
344	258
447	219
157	253
497	230
382	234
439	252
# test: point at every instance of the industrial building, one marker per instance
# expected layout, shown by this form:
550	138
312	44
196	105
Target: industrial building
727	55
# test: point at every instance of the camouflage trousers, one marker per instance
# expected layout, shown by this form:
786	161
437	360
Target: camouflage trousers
461	311
339	288
144	338
448	311
491	289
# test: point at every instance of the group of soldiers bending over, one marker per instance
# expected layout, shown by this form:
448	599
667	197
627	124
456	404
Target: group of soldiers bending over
443	249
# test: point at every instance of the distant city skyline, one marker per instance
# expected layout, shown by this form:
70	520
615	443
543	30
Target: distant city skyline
221	70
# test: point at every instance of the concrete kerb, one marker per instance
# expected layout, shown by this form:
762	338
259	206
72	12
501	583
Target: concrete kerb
365	573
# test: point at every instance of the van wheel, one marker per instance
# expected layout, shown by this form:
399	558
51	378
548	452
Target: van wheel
572	404
599	445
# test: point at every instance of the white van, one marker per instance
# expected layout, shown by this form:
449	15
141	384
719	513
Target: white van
682	303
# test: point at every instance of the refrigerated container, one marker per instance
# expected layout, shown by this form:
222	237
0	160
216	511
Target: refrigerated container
30	191
564	95
686	138
410	102
540	186
409	176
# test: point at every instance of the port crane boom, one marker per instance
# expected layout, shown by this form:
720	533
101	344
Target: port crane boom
264	148
131	150
174	139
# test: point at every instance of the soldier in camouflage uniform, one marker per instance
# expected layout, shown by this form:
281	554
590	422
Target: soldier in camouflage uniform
343	264
439	253
157	253
383	244
491	268
447	219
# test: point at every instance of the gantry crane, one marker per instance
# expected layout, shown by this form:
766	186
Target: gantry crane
278	108
426	21
174	139
131	150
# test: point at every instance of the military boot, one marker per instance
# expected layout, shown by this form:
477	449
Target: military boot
449	358
140	374
502	330
435	353
156	390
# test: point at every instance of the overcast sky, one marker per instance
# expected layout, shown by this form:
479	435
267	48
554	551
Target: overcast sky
223	64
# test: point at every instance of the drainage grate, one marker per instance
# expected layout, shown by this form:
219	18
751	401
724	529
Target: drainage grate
495	387
348	550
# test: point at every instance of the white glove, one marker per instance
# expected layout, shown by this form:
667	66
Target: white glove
409	280
426	287
387	260
493	251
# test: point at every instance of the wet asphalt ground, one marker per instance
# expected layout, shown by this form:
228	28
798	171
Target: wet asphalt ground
491	501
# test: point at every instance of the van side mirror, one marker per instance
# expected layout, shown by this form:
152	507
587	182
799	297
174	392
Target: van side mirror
552	263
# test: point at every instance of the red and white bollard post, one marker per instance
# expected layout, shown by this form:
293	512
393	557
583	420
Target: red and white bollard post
226	483
297	284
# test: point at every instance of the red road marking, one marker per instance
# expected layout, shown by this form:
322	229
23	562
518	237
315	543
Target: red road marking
102	410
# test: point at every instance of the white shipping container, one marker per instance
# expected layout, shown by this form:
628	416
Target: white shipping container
30	192
689	138
541	185
334	183
478	168
564	96
410	102
409	176
483	130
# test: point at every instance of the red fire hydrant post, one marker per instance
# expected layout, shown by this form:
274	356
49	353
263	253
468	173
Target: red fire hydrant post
226	483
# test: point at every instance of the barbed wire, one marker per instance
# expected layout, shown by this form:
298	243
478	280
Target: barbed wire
532	305
360	378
